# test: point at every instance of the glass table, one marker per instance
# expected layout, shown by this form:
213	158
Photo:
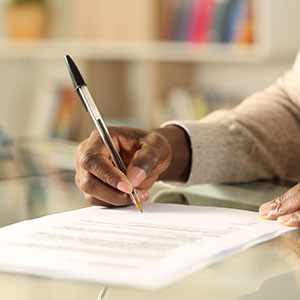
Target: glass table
37	178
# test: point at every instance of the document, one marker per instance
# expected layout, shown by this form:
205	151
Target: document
122	247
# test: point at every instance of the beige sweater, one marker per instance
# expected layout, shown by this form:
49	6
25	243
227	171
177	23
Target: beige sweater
259	139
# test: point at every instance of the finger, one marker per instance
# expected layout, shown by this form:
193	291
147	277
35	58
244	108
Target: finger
287	203
96	189
94	157
292	220
102	167
150	160
91	185
143	194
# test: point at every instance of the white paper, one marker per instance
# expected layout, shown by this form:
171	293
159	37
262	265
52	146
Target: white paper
126	248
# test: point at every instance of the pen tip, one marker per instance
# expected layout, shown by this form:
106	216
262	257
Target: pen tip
139	207
137	201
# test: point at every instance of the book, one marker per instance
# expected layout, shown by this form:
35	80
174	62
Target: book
204	20
194	24
200	21
220	13
244	31
231	21
183	20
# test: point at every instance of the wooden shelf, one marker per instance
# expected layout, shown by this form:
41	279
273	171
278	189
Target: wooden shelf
133	51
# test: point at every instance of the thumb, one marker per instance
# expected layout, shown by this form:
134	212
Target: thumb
150	160
136	176
141	165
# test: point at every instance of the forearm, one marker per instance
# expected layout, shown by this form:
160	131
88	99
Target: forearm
257	140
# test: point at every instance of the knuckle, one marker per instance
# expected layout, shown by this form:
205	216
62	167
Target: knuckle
157	140
105	173
294	201
281	210
279	205
296	194
296	216
87	160
94	135
288	202
87	184
154	138
108	179
162	149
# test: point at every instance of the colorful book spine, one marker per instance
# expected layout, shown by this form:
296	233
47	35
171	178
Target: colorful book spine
193	28
184	20
232	18
204	20
227	21
220	13
244	30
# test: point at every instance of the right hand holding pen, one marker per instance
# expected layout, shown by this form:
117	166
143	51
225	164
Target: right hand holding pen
162	153
146	155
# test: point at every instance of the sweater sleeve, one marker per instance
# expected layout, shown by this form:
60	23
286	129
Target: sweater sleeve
259	139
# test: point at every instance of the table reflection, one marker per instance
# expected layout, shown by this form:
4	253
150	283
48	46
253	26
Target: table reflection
36	180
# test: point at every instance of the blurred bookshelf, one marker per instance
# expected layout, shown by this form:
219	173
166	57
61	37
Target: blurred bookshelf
141	57
155	51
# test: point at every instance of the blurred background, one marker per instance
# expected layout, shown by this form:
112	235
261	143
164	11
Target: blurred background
145	61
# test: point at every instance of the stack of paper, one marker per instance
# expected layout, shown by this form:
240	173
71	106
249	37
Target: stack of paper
123	247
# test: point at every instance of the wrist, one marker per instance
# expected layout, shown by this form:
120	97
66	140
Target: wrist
179	141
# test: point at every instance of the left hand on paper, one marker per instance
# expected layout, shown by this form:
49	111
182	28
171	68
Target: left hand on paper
285	209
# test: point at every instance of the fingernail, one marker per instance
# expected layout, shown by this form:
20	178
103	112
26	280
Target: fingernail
284	219
136	176
124	187
265	209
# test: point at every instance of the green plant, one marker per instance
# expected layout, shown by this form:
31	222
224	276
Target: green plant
16	2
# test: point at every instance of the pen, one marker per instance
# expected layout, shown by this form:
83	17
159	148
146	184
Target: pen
90	106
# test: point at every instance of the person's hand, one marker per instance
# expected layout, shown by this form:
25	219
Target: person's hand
285	209
147	156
